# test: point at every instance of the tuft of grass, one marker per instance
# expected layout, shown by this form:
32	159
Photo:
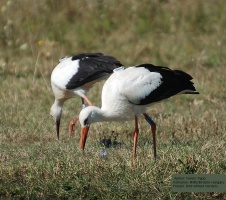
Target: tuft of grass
191	130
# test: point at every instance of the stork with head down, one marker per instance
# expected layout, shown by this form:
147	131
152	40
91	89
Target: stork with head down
75	76
129	92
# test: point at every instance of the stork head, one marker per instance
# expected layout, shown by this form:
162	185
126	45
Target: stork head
88	116
56	112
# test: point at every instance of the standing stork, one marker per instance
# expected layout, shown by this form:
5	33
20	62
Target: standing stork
128	92
75	76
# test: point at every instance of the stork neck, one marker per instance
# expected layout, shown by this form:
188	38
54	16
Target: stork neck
59	102
100	115
56	109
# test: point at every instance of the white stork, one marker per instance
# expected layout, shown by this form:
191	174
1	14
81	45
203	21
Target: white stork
128	92
75	76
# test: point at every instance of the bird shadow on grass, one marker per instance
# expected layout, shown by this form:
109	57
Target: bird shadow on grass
110	141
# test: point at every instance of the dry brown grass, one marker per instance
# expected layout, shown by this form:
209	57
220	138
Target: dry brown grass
191	132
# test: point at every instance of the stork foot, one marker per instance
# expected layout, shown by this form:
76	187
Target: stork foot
72	126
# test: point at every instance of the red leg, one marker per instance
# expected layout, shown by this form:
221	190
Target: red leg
87	100
135	136
72	126
153	129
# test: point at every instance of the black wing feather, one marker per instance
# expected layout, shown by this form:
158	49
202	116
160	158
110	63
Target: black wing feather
173	82
92	66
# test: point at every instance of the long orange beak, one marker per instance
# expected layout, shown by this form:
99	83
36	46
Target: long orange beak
84	134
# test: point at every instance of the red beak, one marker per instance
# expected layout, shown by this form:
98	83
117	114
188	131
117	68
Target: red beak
84	134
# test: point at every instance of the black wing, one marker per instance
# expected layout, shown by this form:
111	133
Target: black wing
92	66
173	82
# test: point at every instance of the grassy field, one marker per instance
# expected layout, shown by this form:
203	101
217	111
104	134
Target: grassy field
191	130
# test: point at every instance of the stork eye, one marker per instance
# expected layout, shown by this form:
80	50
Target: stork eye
86	121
